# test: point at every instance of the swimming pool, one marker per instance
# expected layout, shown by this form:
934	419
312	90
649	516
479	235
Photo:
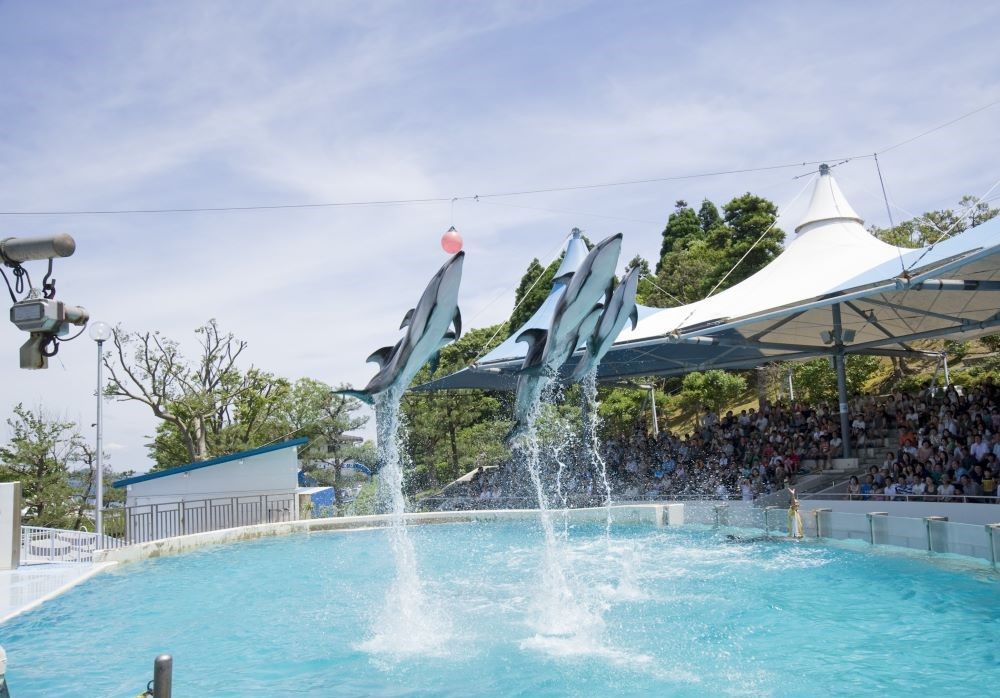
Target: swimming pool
652	611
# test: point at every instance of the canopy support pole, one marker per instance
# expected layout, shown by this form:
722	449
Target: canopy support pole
838	363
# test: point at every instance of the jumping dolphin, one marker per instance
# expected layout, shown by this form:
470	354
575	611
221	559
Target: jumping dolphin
617	311
575	316
427	330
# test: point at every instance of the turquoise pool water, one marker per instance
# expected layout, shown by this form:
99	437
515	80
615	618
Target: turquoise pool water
665	612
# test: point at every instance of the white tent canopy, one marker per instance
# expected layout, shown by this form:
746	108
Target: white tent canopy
834	289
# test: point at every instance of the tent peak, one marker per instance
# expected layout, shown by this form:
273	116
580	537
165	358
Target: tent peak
575	252
828	203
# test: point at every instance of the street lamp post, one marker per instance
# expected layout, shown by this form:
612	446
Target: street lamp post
99	332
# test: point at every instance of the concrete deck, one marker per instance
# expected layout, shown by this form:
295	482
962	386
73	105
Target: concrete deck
31	585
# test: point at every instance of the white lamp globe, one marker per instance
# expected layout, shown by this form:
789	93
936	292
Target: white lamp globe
100	331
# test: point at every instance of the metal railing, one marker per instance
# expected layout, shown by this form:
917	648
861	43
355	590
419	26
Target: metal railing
849	497
149	522
573	501
39	544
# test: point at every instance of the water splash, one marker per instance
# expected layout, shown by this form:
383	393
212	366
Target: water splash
562	620
591	424
407	624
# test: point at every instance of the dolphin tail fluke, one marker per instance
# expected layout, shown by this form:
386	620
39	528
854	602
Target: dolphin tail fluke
365	397
582	367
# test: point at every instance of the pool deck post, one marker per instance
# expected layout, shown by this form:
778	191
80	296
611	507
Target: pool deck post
871	524
669	515
928	521
991	531
163	669
816	516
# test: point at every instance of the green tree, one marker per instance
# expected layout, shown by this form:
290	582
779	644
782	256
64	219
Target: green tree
531	292
933	225
711	390
816	381
449	429
40	455
749	231
700	249
313	410
708	217
977	211
208	406
684	276
622	410
683	227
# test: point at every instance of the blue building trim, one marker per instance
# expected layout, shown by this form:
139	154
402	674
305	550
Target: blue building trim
207	463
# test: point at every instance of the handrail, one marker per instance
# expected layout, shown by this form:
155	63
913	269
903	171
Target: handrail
952	498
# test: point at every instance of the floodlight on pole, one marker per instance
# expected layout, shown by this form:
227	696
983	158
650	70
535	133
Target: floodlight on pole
100	332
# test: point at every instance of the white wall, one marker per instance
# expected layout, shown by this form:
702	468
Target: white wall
268	473
10	525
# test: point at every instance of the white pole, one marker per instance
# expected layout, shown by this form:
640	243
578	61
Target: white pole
652	401
100	447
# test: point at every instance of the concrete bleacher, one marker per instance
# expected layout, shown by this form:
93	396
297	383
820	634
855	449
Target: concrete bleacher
835	478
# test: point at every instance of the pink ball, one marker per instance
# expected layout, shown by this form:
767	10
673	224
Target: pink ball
451	241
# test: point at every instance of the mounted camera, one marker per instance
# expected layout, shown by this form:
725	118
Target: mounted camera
39	313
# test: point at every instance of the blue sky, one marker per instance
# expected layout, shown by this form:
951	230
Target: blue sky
116	105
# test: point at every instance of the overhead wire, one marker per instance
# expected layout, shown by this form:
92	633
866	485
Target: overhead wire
939	127
425	200
502	194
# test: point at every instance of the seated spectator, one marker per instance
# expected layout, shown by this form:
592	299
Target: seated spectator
853	487
866	487
989	484
947	489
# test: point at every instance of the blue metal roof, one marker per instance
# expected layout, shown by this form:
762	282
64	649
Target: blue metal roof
213	461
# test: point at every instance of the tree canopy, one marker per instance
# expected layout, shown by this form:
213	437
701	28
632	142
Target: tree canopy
705	249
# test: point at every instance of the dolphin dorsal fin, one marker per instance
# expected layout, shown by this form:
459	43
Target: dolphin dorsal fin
535	338
532	336
563	279
457	322
406	318
634	316
380	356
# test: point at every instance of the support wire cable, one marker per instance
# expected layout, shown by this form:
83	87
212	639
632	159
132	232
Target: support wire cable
888	210
947	233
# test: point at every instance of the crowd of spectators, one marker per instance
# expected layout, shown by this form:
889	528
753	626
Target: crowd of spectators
943	444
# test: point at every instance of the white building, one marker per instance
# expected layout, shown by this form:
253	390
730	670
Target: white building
250	487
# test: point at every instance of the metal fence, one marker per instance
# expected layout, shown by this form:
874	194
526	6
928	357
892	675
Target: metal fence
901	497
573	501
148	522
40	544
